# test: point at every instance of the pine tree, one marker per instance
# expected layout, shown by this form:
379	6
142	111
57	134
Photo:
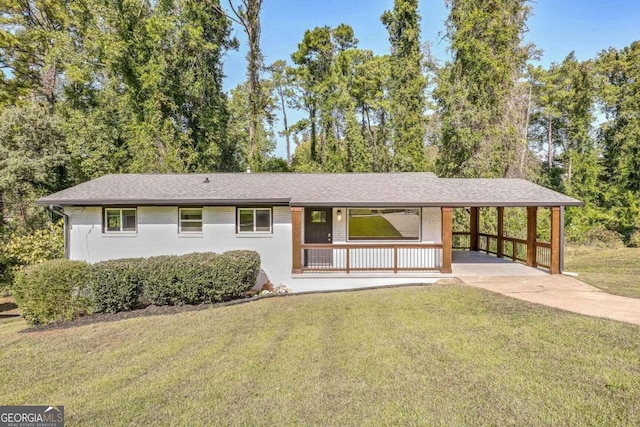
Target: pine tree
407	86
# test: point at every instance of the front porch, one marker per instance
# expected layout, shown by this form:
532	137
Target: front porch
427	258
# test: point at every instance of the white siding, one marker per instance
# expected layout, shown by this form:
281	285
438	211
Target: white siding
431	225
340	227
158	235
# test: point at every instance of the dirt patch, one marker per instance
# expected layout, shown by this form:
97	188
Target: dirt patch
8	307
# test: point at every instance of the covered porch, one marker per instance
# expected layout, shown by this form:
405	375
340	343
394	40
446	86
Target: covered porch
456	252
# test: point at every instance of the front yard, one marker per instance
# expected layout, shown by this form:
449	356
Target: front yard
616	271
441	354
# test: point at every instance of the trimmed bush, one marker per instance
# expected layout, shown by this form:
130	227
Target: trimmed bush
120	285
236	273
52	291
177	280
116	285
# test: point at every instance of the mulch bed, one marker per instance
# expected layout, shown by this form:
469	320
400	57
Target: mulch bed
151	310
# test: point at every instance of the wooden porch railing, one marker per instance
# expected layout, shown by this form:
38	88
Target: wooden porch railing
461	240
513	248
543	254
417	257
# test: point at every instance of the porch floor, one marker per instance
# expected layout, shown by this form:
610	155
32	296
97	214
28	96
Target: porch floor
471	263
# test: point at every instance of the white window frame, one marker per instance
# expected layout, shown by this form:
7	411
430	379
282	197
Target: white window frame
181	221
121	231
270	210
408	241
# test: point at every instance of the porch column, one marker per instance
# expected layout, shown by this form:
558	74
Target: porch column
296	240
554	268
532	235
474	228
447	239
500	232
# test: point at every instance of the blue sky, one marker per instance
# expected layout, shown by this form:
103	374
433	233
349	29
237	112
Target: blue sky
556	26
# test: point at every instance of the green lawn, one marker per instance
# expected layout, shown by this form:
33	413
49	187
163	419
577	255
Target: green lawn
367	226
613	270
432	355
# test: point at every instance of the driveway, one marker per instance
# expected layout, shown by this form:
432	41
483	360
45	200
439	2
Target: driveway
563	292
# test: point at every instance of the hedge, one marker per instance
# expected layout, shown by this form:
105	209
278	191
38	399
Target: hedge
62	290
120	285
235	272
52	291
116	285
177	280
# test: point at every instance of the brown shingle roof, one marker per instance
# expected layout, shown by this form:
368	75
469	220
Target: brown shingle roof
297	189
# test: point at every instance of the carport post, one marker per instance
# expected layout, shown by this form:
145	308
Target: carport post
532	235
474	227
500	251
554	268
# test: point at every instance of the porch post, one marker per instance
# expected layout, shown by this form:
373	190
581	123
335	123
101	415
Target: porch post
500	232
554	268
447	239
474	227
296	240
532	235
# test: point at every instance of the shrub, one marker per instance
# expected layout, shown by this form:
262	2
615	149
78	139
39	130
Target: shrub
634	240
600	236
116	285
52	291
27	249
120	285
236	272
176	280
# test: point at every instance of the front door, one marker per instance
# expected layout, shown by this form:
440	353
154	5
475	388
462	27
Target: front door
318	229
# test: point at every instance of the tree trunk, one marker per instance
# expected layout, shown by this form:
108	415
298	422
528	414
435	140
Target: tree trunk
313	148
286	125
550	141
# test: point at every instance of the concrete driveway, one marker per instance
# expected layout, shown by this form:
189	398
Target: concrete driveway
563	292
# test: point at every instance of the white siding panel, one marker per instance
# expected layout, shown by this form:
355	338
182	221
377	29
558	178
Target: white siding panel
158	235
431	225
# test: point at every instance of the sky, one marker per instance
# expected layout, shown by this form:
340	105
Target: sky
555	26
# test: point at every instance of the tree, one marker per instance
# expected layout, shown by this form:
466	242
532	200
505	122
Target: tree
254	157
477	92
281	82
35	41
33	162
407	86
620	99
247	15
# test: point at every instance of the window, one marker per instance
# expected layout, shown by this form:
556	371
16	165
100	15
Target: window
384	224
318	216
190	220
118	220
254	220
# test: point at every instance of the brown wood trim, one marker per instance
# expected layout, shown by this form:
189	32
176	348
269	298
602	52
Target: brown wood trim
447	239
543	245
296	240
373	246
474	228
532	235
554	268
500	235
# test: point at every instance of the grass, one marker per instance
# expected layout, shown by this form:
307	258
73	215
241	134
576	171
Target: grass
616	271
371	227
432	355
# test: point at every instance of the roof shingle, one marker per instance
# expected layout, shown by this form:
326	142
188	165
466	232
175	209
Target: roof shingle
298	189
